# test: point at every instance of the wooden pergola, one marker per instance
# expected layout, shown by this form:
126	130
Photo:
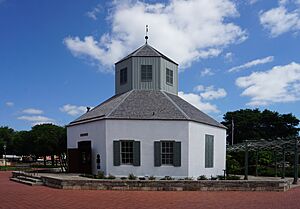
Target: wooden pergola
280	145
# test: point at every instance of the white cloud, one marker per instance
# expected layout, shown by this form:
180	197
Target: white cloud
33	111
94	12
196	100
186	31
206	72
36	119
203	93
253	1
280	84
210	93
252	64
280	20
9	104
229	56
73	110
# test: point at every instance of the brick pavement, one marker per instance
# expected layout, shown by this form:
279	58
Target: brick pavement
14	195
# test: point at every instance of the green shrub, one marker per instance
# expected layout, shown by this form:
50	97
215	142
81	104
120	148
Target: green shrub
152	178
131	176
167	178
220	177
188	178
123	178
110	176
213	178
100	175
202	177
142	178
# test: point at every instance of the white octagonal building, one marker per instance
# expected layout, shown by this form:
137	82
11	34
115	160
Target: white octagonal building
145	128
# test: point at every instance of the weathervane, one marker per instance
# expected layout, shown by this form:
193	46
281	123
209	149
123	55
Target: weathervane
146	37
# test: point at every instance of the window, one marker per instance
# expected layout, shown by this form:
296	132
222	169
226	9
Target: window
209	151
169	76
167	152
127	152
123	76
146	73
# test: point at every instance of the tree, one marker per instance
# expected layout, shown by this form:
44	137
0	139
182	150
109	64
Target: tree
252	124
23	143
49	139
6	137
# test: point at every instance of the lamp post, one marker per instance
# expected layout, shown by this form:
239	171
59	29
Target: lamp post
4	147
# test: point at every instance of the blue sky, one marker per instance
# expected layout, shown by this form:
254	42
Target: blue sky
57	57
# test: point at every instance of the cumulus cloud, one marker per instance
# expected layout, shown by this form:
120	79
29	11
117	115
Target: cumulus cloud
229	56
36	119
200	96
280	20
252	64
73	110
94	12
33	111
279	84
9	104
206	72
196	100
210	93
186	31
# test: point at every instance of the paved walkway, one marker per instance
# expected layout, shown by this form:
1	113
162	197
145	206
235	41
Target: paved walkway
14	195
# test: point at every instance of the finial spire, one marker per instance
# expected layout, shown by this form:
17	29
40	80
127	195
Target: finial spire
146	37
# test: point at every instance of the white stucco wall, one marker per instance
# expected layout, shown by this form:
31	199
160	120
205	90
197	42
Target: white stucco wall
191	135
197	134
147	131
96	134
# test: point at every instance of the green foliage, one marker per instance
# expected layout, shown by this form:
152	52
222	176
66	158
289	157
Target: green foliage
131	176
6	137
213	177
111	177
232	165
202	177
151	178
220	177
123	178
255	124
167	178
100	175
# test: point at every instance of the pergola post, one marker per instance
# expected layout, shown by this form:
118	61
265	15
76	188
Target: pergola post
246	160
275	156
256	163
296	162
283	163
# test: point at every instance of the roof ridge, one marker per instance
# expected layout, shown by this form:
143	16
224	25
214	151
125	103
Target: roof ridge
187	117
128	93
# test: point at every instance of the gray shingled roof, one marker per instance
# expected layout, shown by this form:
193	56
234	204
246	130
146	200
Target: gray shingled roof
146	51
146	105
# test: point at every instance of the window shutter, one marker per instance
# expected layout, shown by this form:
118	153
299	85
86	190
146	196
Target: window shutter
136	153
117	160
157	153
177	154
209	151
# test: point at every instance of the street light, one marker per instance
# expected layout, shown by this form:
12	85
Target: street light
4	147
